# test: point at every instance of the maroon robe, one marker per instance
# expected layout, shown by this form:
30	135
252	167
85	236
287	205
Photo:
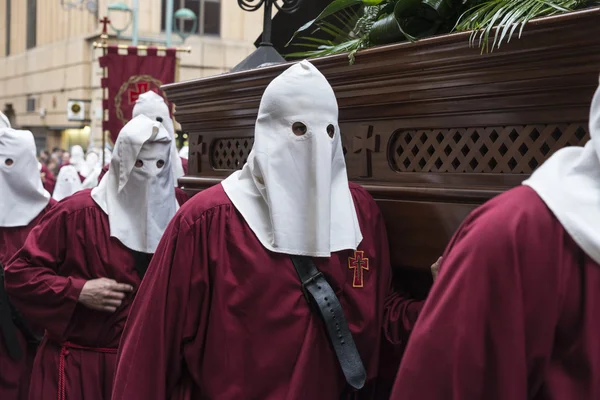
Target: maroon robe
103	172
49	180
181	196
512	315
184	164
221	317
15	375
44	279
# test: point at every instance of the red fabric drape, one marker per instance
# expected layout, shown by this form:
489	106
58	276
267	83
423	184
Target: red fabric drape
130	75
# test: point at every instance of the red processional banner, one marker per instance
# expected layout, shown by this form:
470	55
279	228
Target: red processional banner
128	76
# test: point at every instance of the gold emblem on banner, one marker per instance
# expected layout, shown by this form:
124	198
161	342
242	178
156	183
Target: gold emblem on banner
135	86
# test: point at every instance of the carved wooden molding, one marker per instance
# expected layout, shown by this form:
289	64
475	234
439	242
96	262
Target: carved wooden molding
230	154
488	150
381	191
365	145
499	149
197	149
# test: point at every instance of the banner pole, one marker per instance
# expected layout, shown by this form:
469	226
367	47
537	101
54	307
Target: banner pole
104	40
104	45
114	110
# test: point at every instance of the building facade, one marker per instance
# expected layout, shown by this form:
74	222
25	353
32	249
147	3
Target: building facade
47	57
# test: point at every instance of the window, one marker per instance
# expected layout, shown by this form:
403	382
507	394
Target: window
8	11
212	17
31	23
31	104
207	11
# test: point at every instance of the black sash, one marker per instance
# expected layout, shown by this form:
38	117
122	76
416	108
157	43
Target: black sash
141	262
319	293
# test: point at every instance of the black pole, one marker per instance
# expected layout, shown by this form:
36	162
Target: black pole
266	35
265	54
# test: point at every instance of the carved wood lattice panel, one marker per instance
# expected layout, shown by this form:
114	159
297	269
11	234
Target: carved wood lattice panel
500	149
230	153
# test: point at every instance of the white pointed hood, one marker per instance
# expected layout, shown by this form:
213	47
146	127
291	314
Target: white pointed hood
139	200
569	184
4	122
22	195
91	180
77	158
67	183
92	170
154	107
293	191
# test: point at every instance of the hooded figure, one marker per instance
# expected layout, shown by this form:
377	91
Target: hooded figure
77	158
23	203
91	162
23	195
270	188
223	277
135	195
154	107
75	276
67	183
92	170
522	276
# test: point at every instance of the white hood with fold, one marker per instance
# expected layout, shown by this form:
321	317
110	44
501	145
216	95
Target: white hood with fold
569	183
139	199
154	107
93	168
67	183
293	191
78	158
22	195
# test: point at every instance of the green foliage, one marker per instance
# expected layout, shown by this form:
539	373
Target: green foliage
333	8
351	25
345	27
505	16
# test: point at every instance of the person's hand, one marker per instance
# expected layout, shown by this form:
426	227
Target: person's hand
435	268
104	294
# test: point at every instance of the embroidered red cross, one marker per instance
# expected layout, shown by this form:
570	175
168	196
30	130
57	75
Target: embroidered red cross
142	87
359	264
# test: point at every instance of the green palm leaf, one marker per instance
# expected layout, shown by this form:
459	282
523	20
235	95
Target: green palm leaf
317	40
333	8
350	46
388	21
505	16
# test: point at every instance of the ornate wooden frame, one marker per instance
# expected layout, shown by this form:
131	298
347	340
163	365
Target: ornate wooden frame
432	129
